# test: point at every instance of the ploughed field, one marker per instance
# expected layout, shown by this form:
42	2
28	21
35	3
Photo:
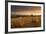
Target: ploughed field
26	21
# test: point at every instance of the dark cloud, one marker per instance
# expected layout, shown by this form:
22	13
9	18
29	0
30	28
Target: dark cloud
22	8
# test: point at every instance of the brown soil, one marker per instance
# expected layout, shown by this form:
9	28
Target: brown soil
26	21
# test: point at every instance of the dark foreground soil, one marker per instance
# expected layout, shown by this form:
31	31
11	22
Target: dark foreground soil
26	22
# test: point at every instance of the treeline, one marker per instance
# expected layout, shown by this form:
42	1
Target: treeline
15	16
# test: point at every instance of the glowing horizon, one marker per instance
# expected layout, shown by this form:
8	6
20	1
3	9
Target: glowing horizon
26	13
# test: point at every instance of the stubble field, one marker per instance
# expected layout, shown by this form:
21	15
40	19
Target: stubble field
26	21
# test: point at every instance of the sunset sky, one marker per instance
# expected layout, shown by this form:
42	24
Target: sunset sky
26	10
